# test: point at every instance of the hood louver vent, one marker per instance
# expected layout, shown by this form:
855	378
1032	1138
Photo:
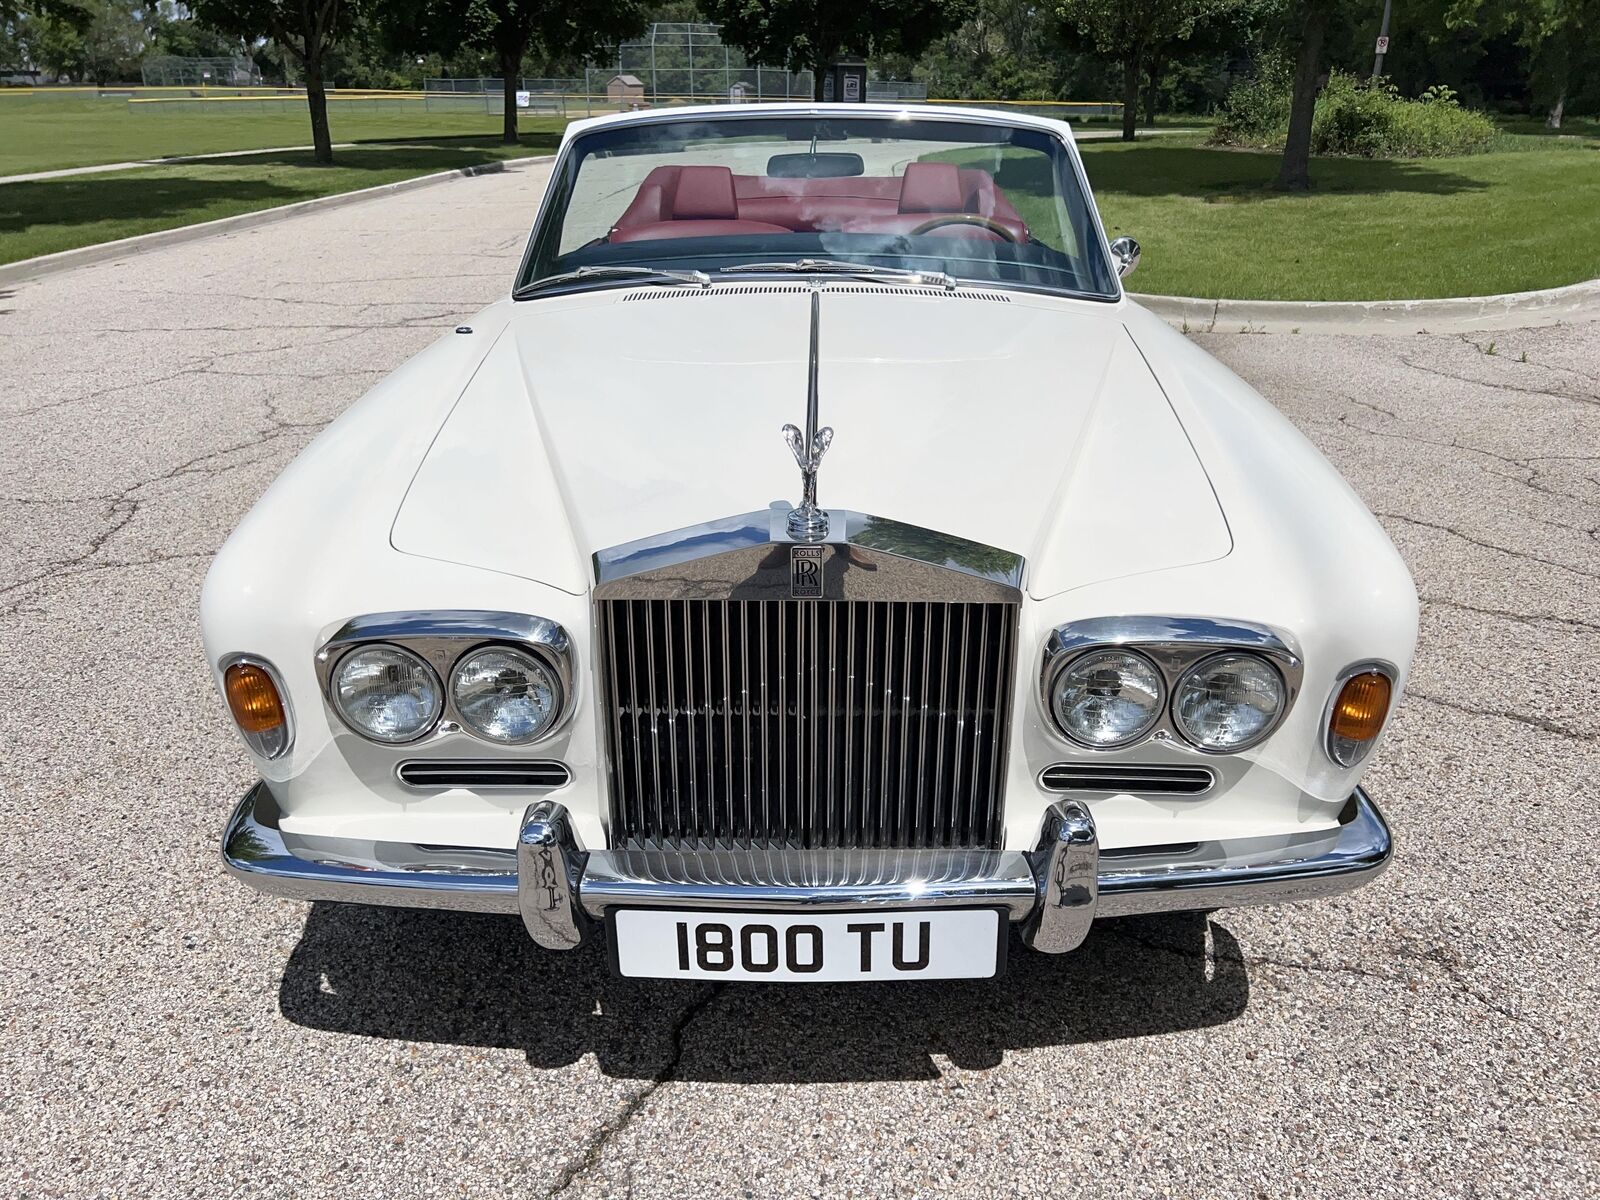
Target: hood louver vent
791	289
1139	779
478	774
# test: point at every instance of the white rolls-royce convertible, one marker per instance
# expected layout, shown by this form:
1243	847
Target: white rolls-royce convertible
814	568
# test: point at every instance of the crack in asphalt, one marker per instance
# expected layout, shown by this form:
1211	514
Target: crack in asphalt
77	572
1467	537
1514	617
1455	982
1538	723
124	505
589	1157
1548	393
1534	473
211	365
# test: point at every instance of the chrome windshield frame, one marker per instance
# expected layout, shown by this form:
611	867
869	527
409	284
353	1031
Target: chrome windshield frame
561	173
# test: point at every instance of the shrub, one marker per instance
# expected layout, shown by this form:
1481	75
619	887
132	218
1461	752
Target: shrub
1354	118
1256	110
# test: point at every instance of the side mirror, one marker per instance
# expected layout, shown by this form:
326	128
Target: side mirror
1125	253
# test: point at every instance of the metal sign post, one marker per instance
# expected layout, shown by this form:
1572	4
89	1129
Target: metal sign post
1383	42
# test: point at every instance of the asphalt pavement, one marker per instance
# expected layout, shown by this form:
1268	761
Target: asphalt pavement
168	1033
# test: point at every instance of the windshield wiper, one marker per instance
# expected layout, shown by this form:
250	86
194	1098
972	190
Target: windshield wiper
834	266
642	274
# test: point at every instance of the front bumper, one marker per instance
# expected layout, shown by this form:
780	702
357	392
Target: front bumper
1054	891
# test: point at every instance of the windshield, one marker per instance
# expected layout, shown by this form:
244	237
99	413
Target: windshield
979	202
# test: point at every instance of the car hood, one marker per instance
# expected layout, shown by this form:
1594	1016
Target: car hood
1025	423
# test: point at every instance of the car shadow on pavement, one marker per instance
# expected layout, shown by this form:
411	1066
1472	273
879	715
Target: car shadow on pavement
470	980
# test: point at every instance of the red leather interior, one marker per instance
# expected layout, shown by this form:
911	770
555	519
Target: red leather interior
711	201
704	194
931	188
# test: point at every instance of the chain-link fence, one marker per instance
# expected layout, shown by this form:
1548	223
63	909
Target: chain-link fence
170	70
677	63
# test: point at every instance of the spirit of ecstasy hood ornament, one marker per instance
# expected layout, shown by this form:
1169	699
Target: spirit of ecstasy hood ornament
808	523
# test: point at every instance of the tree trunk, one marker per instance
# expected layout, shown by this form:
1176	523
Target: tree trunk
317	101
1294	173
816	84
1553	120
1130	94
510	67
1152	97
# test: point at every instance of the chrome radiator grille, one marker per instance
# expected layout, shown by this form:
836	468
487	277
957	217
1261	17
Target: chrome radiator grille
806	723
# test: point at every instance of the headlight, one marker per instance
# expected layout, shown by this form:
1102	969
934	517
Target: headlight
1107	698
505	696
386	693
1228	702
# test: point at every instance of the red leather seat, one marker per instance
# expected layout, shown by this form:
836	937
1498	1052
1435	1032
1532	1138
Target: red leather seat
711	201
686	202
931	187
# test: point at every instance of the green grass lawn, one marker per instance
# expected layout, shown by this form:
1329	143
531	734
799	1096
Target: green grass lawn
45	133
44	216
1526	216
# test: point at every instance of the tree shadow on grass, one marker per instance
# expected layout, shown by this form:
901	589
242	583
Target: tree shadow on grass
218	187
478	981
1223	176
92	198
413	153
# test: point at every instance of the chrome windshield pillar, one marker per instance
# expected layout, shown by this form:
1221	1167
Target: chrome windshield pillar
550	863
1066	864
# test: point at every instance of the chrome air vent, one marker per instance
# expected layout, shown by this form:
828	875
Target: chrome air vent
478	774
738	289
1139	779
790	289
927	290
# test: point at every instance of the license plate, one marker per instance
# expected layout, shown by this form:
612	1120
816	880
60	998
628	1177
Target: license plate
833	947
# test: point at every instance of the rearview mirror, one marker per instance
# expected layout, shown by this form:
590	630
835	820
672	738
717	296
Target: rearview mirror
814	166
1125	253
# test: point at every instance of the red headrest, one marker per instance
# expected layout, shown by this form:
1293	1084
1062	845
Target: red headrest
705	194
931	187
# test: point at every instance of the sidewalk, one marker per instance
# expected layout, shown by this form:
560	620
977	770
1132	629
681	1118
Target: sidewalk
1096	135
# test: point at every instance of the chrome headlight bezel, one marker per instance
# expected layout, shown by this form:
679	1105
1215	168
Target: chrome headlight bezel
1175	645
442	639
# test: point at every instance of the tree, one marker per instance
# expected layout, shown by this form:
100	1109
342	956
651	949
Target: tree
306	30
1560	37
113	42
510	29
811	34
1137	33
187	38
1309	19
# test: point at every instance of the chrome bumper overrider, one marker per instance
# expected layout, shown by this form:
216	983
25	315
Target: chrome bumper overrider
1054	891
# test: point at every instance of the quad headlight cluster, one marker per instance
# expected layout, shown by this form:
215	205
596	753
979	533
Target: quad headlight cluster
397	688
1178	675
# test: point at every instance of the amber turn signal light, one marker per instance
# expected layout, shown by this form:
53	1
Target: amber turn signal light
1361	706
253	697
258	710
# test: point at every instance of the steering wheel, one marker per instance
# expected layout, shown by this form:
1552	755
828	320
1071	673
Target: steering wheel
982	222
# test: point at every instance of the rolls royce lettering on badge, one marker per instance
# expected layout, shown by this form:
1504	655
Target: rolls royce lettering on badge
805	572
1085	628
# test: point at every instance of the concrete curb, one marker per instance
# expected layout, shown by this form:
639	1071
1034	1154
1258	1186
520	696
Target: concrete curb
1509	310
28	269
